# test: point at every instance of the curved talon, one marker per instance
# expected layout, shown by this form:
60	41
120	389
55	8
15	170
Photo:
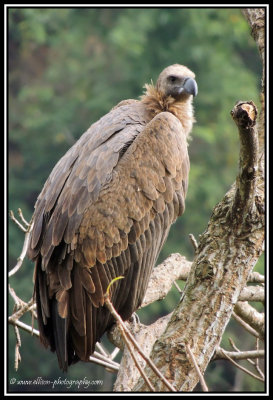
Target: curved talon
134	319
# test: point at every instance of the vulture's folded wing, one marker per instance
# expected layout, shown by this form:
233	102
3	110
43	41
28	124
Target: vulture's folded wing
105	211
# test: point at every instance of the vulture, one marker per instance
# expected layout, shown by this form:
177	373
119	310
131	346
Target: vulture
105	211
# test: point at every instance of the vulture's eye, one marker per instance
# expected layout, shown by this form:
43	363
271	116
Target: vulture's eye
172	78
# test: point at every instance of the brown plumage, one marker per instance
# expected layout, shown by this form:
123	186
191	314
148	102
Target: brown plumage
105	211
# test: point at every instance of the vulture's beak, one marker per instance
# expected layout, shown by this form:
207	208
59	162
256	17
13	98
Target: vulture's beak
190	87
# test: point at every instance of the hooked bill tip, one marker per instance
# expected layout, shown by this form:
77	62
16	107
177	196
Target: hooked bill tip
190	86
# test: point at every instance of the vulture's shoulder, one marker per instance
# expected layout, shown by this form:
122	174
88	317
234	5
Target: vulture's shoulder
126	102
78	176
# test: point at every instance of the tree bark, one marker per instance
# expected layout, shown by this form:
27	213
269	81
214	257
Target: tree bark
256	20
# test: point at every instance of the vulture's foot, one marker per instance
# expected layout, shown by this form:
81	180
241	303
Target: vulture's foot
134	319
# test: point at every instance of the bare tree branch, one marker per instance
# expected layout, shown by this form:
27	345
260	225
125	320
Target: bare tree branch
112	367
17	356
246	326
255	277
244	115
25	222
104	358
237	355
257	366
240	366
15	220
27	232
252	293
25	327
256	354
173	268
256	20
250	316
177	267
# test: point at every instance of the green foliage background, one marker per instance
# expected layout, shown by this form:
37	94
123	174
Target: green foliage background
67	68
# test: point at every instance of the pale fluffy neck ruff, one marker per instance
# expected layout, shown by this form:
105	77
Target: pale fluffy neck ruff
156	102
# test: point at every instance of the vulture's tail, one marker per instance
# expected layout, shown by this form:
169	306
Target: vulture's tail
53	328
59	326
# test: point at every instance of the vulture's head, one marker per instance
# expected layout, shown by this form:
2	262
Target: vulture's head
177	81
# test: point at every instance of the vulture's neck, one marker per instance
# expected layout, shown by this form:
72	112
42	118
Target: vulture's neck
155	103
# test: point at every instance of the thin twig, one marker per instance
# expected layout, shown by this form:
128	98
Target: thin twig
127	333
245	325
22	310
233	344
123	331
20	259
258	369
238	355
193	242
239	351
240	367
22	218
107	359
251	316
18	302
178	288
17	357
107	364
131	350
201	378
114	353
11	214
102	350
25	327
